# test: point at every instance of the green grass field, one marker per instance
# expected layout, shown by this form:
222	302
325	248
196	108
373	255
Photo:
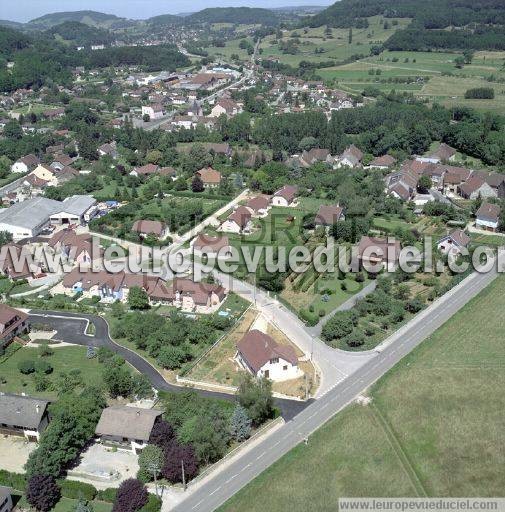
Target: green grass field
435	426
431	75
316	46
64	359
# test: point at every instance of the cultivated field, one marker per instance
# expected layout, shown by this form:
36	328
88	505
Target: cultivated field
435	426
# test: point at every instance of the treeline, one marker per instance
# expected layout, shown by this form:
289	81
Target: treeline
420	39
428	14
152	58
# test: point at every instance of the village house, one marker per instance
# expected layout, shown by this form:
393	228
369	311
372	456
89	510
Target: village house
108	286
12	323
16	262
210	177
61	160
211	245
225	106
218	148
286	196
475	187
454	243
488	217
238	222
314	156
351	157
26	164
127	428
145	170
402	184
454	178
188	295
443	153
108	149
379	252
23	416
54	113
382	162
154	111
74	247
44	172
262	356
329	215
259	205
149	227
496	180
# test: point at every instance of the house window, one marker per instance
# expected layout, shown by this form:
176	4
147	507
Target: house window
274	360
285	367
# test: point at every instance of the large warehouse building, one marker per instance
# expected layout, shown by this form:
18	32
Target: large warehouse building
28	218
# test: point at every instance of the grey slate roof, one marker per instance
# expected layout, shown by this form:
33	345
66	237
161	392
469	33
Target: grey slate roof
23	411
77	205
129	422
30	213
35	211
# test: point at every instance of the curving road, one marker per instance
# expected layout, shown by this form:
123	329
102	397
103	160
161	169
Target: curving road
71	328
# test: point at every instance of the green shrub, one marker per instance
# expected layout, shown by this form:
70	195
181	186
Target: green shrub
26	366
108	495
43	367
77	490
153	504
321	313
308	317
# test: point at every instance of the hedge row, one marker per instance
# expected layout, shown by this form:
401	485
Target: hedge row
15	480
77	490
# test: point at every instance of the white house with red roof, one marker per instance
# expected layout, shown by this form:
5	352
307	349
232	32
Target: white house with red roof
262	356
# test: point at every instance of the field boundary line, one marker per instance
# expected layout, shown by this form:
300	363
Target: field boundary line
399	451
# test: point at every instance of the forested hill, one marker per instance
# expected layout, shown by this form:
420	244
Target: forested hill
164	19
436	24
80	34
239	15
428	14
92	18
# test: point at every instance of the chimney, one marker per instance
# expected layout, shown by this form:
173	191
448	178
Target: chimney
37	408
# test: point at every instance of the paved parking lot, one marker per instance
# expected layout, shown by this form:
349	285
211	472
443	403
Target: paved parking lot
102	465
14	452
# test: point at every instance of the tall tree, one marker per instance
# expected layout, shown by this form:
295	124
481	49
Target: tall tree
131	496
42	492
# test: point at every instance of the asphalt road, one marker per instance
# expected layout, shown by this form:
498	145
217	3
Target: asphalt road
215	491
71	328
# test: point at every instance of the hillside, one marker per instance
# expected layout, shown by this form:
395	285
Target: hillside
164	19
473	24
238	15
91	18
80	34
429	14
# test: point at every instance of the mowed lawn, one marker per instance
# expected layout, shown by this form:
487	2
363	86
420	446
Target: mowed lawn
444	404
65	359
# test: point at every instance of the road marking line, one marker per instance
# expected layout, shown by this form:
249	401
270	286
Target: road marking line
198	504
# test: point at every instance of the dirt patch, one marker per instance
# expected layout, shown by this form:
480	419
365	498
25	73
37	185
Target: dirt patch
14	452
